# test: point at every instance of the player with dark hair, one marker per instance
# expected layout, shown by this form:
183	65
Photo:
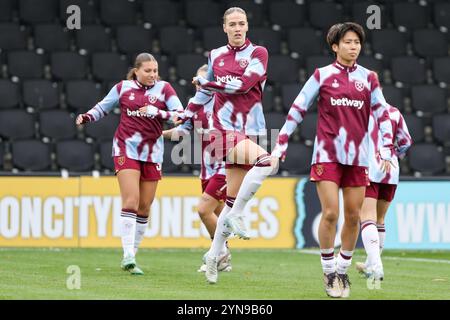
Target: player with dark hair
145	102
348	93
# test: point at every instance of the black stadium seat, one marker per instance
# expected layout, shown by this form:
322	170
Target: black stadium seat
388	43
161	12
298	159
416	127
441	69
12	37
394	96
93	38
267	38
214	37
32	11
282	69
82	95
442	14
430	43
75	155
88	8
371	63
428	99
360	15
2	155
315	62
118	12
106	159
68	65
409	70
41	94
305	41
16	124
289	92
287	14
9	93
176	39
6	10
323	14
410	15
57	124
25	64
195	13
31	155
132	39
308	127
187	65
426	159
103	129
441	128
51	37
101	66
268	97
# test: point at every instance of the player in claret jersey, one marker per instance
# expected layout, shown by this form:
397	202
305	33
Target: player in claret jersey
348	93
381	192
145	102
237	74
212	174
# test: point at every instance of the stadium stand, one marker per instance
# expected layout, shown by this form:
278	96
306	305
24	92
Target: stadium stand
48	73
31	155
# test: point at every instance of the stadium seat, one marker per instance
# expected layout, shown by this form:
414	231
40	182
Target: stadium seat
274	123
31	155
161	13
388	43
442	14
298	159
82	95
394	96
9	93
287	14
68	65
289	92
428	99
371	63
88	8
2	155
103	129
93	38
415	126
40	94
360	15
323	14
314	62
410	15
282	69
187	65
131	39
101	66
214	37
51	37
308	127
267	101
254	10
6	10
106	159
117	12
57	125
426	158
75	155
12	37
441	128
175	39
195	13
25	64
16	124
305	42
430	43
266	37
441	69
168	166
32	11
409	70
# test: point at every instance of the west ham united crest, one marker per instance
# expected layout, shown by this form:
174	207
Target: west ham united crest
319	169
152	99
121	160
243	63
359	86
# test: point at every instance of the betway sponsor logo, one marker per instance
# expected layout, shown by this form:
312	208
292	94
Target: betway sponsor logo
345	102
137	113
227	78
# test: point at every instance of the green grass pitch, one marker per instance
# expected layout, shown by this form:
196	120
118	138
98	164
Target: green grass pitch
32	273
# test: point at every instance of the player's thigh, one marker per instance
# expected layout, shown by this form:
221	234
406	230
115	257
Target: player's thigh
129	184
207	204
369	209
328	192
235	175
382	208
246	152
147	191
353	200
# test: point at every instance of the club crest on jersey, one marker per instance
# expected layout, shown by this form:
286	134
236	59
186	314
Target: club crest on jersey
319	169
151	99
221	63
121	160
243	63
359	86
131	96
335	84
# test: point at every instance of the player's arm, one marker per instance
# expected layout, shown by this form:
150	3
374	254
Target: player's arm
296	114
380	110
403	139
102	108
179	131
253	73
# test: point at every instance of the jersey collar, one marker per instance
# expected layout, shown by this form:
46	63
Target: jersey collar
245	45
345	68
140	85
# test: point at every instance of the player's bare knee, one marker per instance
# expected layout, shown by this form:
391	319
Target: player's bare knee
330	215
131	203
352	217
